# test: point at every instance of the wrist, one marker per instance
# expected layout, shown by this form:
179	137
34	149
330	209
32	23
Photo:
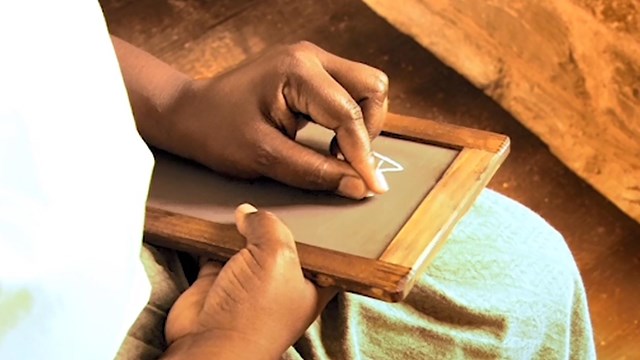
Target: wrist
158	119
156	92
181	132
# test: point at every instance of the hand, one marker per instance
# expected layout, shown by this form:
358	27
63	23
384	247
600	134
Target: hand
255	307
243	122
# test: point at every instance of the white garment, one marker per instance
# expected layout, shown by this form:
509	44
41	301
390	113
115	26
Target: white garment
74	177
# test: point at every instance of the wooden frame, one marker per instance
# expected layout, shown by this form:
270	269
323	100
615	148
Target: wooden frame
391	276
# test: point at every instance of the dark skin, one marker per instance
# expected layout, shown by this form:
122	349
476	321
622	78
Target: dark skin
254	307
243	123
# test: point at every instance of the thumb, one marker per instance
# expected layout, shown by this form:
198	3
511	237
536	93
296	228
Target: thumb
263	230
269	237
292	163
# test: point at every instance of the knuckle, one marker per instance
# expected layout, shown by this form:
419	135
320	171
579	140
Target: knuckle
316	177
266	158
353	111
303	47
379	84
299	54
285	246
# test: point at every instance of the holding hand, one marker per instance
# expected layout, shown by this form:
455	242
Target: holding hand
256	306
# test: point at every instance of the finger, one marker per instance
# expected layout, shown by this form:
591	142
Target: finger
188	305
287	161
367	85
325	294
374	115
209	267
311	90
263	230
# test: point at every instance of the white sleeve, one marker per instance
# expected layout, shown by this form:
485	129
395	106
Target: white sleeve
74	178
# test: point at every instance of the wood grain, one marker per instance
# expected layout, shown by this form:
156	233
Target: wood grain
437	133
357	274
568	70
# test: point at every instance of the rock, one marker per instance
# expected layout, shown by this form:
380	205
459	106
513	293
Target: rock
569	70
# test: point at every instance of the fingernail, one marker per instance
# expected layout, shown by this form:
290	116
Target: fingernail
370	194
382	181
352	187
247	208
340	156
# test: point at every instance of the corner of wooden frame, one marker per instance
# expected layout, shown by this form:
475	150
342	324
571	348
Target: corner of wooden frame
481	153
448	135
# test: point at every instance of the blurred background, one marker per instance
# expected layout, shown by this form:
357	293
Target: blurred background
561	79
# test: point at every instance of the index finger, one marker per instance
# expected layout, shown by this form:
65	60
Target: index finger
367	85
313	91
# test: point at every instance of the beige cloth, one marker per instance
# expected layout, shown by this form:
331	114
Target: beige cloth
505	286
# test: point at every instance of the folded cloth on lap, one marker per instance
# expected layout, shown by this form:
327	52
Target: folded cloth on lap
145	339
504	286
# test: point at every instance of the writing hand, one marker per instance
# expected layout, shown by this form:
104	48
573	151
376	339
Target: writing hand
243	122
